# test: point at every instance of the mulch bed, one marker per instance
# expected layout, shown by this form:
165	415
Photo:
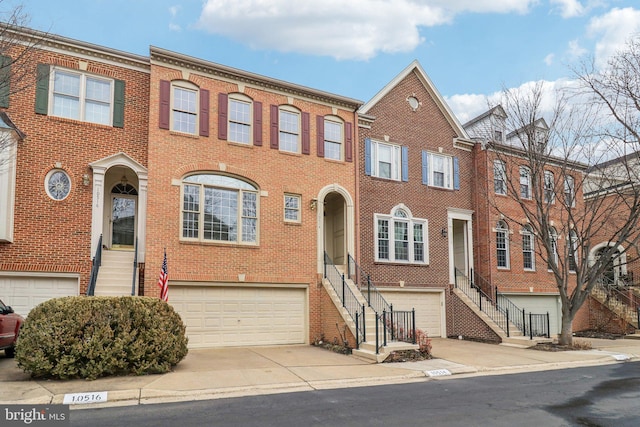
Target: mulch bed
407	356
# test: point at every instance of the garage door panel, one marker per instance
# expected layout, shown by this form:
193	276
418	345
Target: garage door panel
540	304
25	292
429	310
226	316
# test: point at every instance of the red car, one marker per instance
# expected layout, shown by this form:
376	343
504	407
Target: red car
10	323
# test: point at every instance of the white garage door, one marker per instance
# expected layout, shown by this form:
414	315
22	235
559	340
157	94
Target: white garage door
232	316
541	304
23	293
429	308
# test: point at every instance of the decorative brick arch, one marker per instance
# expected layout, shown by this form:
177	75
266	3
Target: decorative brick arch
349	221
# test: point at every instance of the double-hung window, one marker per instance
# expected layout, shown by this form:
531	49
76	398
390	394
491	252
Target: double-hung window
401	238
528	249
386	160
219	208
569	191
525	182
240	120
292	207
549	187
499	177
502	244
81	96
289	131
184	111
333	140
439	170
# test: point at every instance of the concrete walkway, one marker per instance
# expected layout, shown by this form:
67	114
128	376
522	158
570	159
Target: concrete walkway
233	372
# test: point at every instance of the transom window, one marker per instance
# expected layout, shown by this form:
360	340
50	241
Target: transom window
184	108
292	207
289	131
239	121
499	177
502	244
333	138
528	252
401	238
219	208
82	97
525	182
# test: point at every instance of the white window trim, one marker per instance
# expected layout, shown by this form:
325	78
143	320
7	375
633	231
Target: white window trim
500	175
396	160
200	237
504	230
339	122
573	250
392	218
448	173
238	97
81	95
552	189
187	86
529	232
298	220
572	189
528	196
291	110
48	178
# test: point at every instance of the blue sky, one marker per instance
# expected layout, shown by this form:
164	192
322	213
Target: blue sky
470	49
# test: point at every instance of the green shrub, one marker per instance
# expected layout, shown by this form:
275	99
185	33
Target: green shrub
91	337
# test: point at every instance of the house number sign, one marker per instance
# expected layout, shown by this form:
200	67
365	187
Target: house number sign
83	398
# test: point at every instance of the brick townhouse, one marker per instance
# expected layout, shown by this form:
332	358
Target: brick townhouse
416	204
508	258
77	116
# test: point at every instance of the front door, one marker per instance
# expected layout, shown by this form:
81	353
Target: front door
123	221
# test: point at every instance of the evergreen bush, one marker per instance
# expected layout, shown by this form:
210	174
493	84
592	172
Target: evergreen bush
92	337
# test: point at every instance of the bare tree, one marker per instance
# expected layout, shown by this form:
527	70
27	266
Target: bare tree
582	203
17	49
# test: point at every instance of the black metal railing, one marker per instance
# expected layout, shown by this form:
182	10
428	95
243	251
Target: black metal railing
484	302
538	325
347	298
368	289
623	295
95	266
135	268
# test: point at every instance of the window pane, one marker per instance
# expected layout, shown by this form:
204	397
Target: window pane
239	121
401	241
66	107
184	100
220	214
292	208
289	122
98	90
97	113
383	239
333	140
332	150
418	243
66	84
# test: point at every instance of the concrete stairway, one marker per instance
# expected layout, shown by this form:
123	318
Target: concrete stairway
620	309
367	348
115	274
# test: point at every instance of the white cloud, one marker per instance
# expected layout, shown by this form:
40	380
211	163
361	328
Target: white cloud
613	30
569	8
575	50
549	59
355	29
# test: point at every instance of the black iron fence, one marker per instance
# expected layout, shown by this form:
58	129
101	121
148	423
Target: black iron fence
363	281
95	266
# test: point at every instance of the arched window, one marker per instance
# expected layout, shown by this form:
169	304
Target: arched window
219	208
401	238
528	248
502	244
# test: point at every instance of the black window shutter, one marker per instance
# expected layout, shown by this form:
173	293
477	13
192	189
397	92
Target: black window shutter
118	104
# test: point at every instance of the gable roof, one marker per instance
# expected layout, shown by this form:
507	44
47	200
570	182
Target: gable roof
497	111
416	68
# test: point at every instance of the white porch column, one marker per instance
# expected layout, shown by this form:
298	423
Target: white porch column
142	215
97	207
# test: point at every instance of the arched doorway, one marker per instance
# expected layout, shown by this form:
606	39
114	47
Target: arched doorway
335	243
615	266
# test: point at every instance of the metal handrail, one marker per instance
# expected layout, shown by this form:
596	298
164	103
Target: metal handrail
363	281
623	295
347	298
95	267
135	268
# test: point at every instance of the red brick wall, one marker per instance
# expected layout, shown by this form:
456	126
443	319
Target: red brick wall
424	129
593	316
462	321
286	252
333	325
55	236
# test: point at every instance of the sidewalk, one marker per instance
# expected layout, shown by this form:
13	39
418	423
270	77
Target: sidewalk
234	372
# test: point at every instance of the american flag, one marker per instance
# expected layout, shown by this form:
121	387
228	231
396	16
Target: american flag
163	280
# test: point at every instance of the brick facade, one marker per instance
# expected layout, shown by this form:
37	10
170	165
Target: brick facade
52	236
